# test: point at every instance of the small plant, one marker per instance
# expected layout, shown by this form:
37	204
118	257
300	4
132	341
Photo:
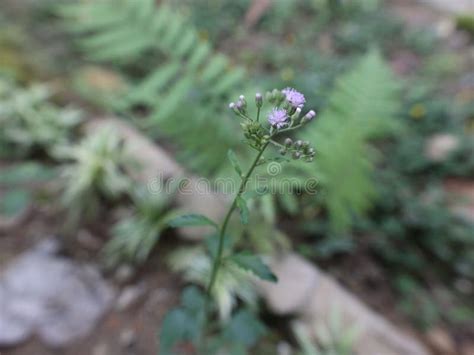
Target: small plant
134	237
97	171
284	116
30	122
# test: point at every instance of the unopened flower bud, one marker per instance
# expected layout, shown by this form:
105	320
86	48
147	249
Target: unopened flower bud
305	144
296	114
234	107
258	99
298	144
296	155
309	116
288	142
283	151
240	106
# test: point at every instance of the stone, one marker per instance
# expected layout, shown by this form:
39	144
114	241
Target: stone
314	297
296	280
440	146
44	294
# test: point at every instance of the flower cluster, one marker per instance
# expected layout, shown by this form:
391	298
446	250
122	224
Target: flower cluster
298	150
285	115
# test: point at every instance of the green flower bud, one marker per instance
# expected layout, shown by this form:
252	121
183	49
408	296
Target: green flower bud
258	99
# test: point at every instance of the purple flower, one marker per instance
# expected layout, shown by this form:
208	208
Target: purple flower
295	98
278	118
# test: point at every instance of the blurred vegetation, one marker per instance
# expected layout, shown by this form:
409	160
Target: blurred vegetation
171	68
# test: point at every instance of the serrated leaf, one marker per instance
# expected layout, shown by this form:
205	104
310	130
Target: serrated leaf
254	264
191	220
235	163
244	210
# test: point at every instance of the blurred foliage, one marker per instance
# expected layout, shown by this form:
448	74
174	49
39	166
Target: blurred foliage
363	105
18	181
183	72
135	236
95	171
104	28
466	23
30	123
232	282
162	71
182	327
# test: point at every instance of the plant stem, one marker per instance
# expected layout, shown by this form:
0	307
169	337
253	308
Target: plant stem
220	248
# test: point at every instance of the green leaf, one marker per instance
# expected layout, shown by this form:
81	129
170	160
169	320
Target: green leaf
254	264
191	220
14	202
244	328
212	244
244	211
235	163
183	324
176	328
192	299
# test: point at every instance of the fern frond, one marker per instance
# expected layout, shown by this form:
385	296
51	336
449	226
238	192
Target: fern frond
362	106
189	76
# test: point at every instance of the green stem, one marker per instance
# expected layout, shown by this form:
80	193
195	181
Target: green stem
220	248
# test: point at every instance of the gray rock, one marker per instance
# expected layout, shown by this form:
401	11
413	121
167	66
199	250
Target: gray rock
316	301
296	282
50	296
